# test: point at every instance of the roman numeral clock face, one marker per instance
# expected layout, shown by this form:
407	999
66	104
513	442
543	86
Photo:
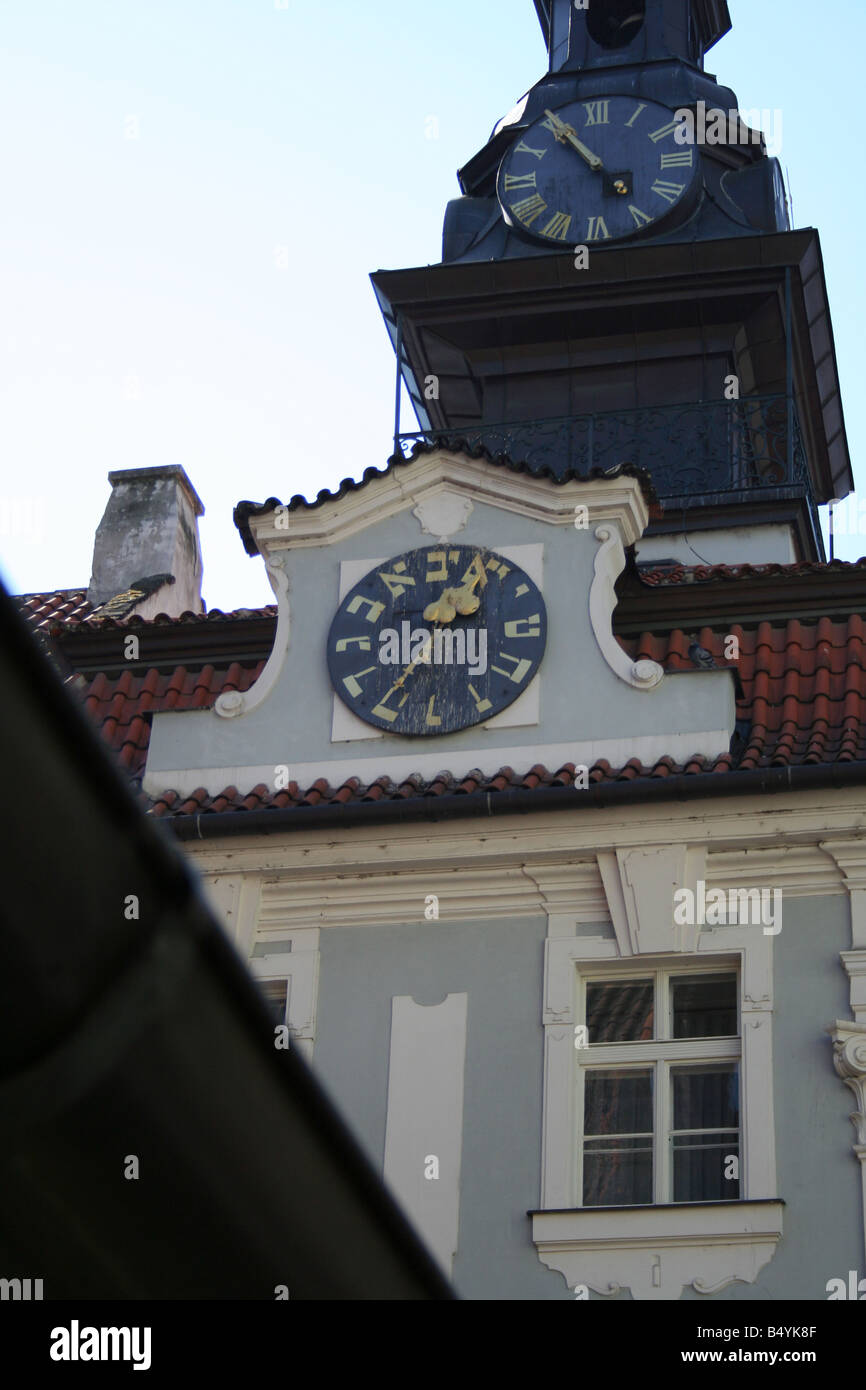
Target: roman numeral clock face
437	639
598	171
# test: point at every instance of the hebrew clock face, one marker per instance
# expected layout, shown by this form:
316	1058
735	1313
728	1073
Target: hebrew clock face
437	639
598	171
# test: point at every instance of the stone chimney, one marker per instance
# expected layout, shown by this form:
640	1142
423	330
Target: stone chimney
148	541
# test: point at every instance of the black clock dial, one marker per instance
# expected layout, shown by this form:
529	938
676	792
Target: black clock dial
437	639
598	171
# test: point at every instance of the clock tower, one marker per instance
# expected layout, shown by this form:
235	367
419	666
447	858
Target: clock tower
617	32
505	825
620	284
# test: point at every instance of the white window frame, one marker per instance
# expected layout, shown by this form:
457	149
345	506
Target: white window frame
300	967
658	1054
282	978
658	1250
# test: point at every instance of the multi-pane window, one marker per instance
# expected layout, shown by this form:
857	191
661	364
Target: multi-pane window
658	1087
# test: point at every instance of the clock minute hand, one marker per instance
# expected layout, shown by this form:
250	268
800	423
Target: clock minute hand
423	656
421	659
567	135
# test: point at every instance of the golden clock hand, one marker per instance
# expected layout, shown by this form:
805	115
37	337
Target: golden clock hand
453	601
567	135
420	658
570	137
443	610
464	600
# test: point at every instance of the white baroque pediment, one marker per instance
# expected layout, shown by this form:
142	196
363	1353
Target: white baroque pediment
422	486
589	701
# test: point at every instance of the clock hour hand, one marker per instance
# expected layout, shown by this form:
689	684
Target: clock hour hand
567	135
444	610
454	601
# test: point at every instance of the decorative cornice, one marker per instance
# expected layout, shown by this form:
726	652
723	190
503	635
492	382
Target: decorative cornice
557	854
386	879
618	498
850	855
850	858
399	896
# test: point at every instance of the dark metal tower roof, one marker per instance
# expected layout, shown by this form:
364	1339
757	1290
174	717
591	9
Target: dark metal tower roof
712	18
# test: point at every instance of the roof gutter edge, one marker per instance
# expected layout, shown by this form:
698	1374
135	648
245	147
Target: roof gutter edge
689	787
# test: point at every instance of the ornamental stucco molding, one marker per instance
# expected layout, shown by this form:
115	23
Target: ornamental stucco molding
608	565
658	1252
849	856
443	515
849	1059
235	702
467	480
640	884
559	855
855	967
476	892
849	1037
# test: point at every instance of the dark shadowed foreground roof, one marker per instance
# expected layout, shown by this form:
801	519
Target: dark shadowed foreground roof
143	1030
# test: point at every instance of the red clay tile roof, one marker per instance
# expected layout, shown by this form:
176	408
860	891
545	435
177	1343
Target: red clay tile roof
216	615
121	706
261	798
804	688
663	575
68	608
803	701
65	606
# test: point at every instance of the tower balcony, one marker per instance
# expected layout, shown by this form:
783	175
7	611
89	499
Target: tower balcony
705	458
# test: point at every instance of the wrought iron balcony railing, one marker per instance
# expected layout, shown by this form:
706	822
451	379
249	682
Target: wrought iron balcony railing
699	453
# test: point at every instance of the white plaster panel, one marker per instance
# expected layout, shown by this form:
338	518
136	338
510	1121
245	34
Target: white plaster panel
425	1116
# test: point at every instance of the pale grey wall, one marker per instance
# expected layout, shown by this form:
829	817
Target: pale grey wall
499	965
819	1176
581	697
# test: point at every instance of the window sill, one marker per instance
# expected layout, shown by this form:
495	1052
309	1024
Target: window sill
657	1251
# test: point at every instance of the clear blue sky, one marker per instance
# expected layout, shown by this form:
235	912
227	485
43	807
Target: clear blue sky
145	316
